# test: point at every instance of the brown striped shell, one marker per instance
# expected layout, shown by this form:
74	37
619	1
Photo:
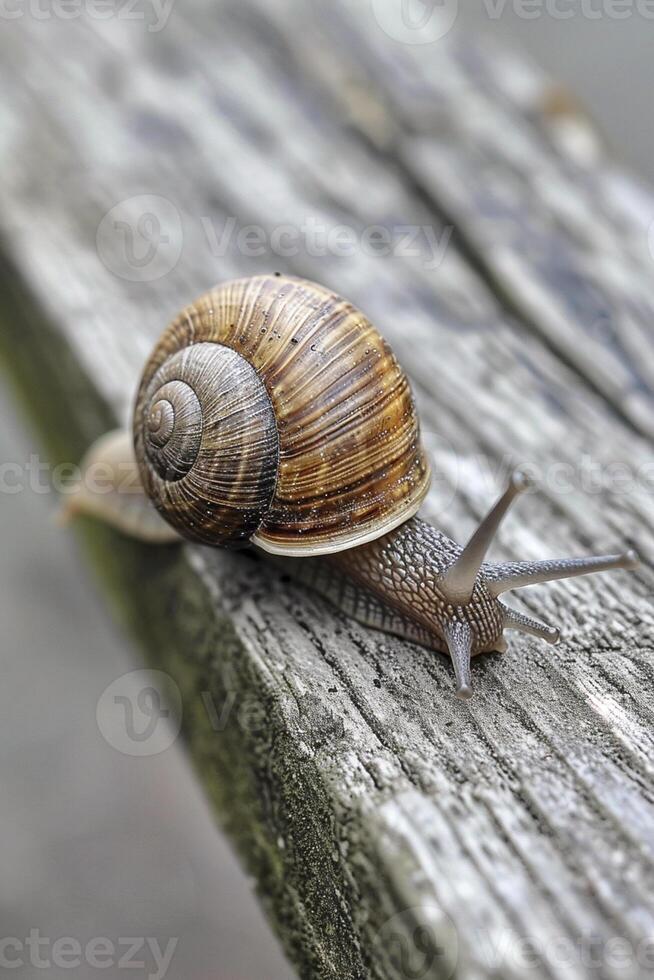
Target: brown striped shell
271	410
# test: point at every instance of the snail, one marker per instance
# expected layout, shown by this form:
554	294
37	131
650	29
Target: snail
271	412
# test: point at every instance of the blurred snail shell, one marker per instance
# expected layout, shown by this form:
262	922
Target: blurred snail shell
272	411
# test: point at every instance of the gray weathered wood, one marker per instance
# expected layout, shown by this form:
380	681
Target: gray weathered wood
363	796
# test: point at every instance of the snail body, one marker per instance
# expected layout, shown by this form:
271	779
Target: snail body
271	412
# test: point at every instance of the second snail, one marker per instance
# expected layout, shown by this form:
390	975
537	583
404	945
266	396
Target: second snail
272	413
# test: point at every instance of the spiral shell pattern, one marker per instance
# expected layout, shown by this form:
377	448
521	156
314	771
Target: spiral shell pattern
272	410
207	443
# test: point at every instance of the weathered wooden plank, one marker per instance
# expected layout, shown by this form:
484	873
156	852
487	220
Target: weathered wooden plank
363	789
564	234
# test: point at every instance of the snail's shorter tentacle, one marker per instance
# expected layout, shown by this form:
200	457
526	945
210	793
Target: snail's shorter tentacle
514	620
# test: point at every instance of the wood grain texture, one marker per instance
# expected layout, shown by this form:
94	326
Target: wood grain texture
366	799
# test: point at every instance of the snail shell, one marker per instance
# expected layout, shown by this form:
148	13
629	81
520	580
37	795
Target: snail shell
271	410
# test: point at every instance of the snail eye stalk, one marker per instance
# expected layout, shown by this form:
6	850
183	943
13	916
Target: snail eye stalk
459	579
517	574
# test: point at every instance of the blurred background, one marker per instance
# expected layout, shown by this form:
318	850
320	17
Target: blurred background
606	63
87	848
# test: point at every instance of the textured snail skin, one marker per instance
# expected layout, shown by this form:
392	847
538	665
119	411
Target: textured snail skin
394	584
272	412
405	569
409	583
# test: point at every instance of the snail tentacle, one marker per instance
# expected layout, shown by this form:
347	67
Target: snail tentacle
514	620
459	639
459	579
518	574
